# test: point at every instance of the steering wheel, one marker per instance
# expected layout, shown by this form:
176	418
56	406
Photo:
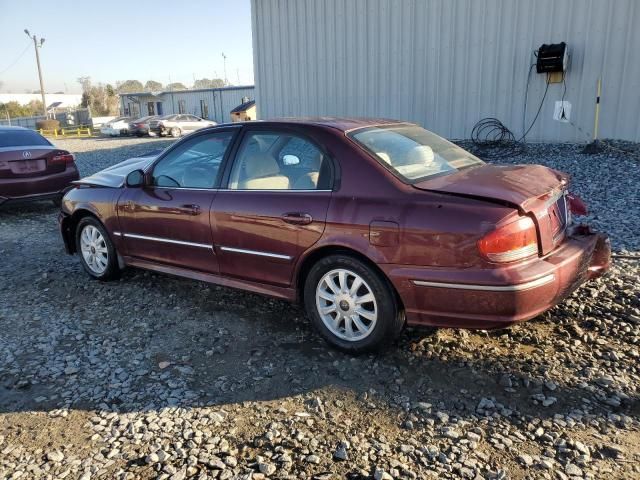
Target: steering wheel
172	181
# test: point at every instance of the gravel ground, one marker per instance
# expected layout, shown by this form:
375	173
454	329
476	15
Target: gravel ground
159	377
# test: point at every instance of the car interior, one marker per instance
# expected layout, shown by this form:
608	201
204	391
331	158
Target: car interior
279	162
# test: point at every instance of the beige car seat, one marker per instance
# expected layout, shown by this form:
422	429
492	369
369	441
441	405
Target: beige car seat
262	172
309	181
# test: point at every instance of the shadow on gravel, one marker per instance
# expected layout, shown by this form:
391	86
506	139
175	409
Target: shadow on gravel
149	341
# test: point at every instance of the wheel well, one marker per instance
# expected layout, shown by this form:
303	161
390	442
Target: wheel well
323	252
70	227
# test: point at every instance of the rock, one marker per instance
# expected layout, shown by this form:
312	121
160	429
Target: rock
55	456
340	454
380	474
525	459
267	468
312	459
573	470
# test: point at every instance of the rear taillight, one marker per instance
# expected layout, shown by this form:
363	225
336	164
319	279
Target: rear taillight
62	159
511	242
576	205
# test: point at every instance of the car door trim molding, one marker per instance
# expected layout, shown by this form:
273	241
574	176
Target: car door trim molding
490	288
256	252
166	240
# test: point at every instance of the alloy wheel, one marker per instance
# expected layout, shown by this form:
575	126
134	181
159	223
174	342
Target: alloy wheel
94	249
346	304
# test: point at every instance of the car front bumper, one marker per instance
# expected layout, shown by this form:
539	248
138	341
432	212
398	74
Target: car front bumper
498	297
30	189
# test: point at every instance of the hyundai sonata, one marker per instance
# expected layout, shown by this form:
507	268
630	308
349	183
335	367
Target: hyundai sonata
371	224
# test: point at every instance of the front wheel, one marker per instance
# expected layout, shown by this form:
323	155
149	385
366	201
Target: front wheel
352	305
97	253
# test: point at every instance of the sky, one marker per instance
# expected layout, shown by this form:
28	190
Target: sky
119	40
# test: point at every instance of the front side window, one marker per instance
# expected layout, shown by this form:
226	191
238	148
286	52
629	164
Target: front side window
413	153
279	161
194	163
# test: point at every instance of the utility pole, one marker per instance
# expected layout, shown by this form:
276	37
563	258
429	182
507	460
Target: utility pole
224	61
37	45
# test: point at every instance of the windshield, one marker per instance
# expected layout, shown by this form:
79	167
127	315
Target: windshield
413	153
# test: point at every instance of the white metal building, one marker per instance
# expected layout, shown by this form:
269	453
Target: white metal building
448	63
210	103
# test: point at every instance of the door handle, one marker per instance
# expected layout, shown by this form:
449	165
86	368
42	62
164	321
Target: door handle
190	209
297	218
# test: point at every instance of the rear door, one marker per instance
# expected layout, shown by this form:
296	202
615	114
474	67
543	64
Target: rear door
168	221
275	204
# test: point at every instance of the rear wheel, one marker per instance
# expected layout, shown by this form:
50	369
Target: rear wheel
97	253
175	132
352	306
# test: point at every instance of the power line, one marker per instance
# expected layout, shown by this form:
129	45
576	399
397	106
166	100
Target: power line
17	59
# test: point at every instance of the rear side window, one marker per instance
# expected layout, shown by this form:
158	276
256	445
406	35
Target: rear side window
22	138
279	161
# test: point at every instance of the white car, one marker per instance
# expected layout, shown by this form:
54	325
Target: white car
116	127
177	125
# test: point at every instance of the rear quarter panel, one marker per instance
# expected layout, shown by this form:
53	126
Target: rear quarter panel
432	229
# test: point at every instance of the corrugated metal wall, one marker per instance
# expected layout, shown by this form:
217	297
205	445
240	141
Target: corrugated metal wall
220	101
448	63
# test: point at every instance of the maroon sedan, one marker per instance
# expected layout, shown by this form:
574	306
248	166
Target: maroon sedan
369	223
31	168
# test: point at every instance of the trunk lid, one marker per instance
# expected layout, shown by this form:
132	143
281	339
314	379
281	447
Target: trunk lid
533	189
21	162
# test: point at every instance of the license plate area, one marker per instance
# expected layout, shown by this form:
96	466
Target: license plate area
22	167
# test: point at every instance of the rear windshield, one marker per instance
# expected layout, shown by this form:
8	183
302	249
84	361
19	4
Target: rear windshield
413	153
21	138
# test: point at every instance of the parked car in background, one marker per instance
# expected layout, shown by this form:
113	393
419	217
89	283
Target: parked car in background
178	124
116	127
370	223
32	168
140	126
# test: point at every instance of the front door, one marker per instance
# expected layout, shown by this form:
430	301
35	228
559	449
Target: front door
168	221
274	208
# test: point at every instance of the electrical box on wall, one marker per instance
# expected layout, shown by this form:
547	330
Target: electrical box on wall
552	58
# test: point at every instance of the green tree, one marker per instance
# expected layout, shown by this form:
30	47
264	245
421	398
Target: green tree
100	99
129	86
176	86
152	86
14	109
208	83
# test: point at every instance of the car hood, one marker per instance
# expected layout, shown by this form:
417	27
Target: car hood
520	185
115	175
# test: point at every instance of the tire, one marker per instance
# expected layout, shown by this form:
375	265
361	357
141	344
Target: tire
102	264
175	132
379	318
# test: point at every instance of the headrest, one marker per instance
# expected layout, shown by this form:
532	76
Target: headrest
261	164
422	154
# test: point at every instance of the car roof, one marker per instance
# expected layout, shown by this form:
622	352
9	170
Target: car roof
11	127
344	124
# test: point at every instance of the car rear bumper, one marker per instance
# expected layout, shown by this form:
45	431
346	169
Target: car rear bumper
28	189
481	298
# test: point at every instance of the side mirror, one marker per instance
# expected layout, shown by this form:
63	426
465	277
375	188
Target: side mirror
135	179
290	160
